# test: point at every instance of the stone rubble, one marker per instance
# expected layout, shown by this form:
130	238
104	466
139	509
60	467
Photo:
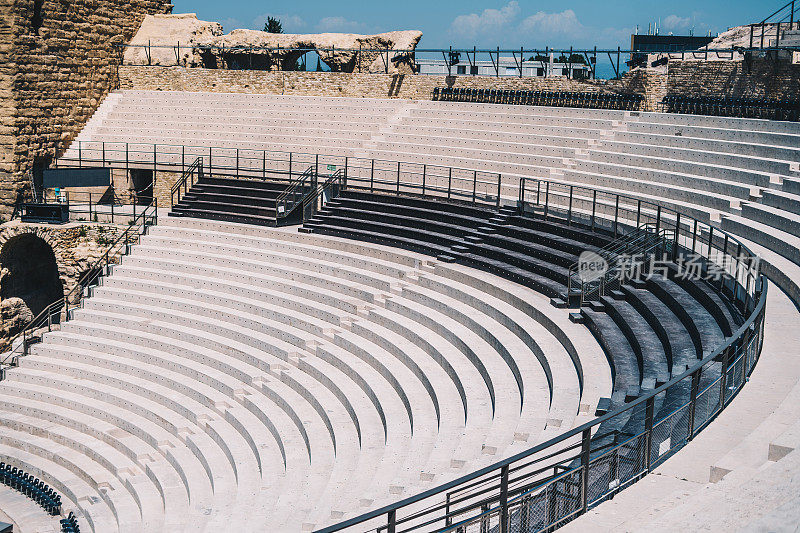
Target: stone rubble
202	44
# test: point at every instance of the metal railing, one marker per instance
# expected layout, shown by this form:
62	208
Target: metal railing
471	185
494	61
555	481
643	243
324	193
616	215
786	21
188	178
216	161
295	193
61	309
98	207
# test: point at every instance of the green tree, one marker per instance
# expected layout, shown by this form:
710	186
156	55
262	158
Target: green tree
273	25
574	58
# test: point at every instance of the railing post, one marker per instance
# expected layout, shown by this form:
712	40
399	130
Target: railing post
677	236
586	445
723	377
424	172
80	154
344	180
710	242
237	162
648	430
474	184
210	164
448	520
155	157
391	525
499	184
594	207
724	262
372	175
658	219
569	210
104	153
290	166
449	181
546	198
504	499
112	211
638	212
693	402
398	177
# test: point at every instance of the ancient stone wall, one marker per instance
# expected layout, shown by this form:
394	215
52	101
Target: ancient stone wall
773	76
356	84
7	107
56	64
76	246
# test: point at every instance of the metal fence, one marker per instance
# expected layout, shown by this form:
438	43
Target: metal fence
62	308
553	482
695	245
496	62
379	175
108	206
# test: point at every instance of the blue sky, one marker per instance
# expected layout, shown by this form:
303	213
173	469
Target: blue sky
504	23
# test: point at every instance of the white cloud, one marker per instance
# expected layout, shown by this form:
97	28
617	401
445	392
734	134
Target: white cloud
489	21
548	24
231	24
674	22
290	23
340	24
612	37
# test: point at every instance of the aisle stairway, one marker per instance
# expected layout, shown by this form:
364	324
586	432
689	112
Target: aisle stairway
232	200
229	376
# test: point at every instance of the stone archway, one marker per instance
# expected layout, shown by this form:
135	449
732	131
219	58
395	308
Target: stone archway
29	271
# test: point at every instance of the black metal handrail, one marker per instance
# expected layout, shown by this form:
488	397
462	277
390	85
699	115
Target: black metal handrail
551	483
189	177
63	307
324	192
640	243
92	204
294	194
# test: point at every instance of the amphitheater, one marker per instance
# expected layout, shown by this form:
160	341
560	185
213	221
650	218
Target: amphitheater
364	314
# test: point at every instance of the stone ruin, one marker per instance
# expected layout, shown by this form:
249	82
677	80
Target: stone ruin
186	41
